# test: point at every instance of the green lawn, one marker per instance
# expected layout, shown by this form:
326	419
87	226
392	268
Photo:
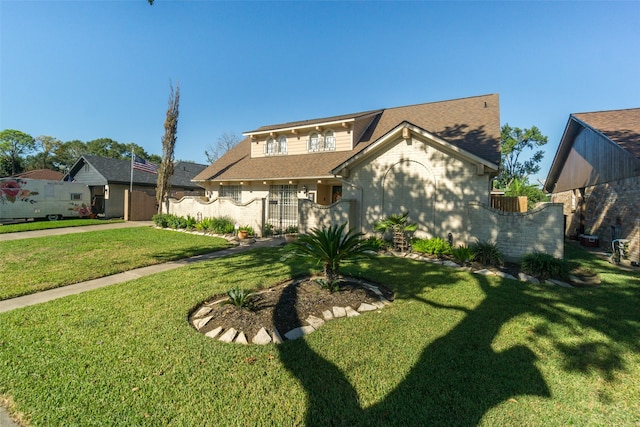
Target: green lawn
31	265
45	225
453	349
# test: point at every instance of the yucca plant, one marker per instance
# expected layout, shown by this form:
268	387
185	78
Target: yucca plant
331	247
544	266
462	254
487	253
241	298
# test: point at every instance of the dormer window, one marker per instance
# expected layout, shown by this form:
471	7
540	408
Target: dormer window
329	141
314	143
326	142
273	147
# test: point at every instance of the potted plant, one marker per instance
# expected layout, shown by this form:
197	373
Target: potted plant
291	233
244	232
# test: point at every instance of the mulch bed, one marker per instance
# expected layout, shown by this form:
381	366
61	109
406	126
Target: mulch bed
285	306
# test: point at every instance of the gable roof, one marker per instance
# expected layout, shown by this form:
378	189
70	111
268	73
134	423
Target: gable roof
118	171
621	128
471	124
47	174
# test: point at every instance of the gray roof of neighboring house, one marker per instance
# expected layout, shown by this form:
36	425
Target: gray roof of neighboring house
119	171
471	124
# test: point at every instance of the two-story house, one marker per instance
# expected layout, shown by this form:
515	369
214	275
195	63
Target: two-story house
428	159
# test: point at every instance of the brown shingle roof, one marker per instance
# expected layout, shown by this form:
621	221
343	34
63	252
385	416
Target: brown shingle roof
47	174
472	124
620	126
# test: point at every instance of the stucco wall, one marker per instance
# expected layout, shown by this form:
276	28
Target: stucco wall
312	215
413	175
517	234
249	213
614	203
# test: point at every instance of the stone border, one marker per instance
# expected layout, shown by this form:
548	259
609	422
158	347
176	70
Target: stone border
201	318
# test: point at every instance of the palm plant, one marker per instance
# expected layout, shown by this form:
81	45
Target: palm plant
332	246
399	224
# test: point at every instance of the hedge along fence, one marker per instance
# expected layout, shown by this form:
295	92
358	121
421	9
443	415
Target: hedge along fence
516	234
250	213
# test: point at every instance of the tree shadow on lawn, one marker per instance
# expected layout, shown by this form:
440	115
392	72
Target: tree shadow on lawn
459	376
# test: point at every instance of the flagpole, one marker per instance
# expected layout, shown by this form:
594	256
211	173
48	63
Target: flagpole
131	180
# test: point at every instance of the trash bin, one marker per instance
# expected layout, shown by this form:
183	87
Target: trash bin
589	241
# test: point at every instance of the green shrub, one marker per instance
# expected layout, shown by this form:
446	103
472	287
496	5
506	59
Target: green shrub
331	286
223	225
160	220
292	229
241	298
462	254
190	222
544	266
268	230
205	225
487	253
376	243
176	222
434	246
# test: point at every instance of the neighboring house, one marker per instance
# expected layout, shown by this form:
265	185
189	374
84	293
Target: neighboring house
428	159
109	178
46	174
596	175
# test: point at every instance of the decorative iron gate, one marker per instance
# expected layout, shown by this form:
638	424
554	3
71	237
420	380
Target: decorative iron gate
282	211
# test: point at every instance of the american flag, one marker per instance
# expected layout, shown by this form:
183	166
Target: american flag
143	165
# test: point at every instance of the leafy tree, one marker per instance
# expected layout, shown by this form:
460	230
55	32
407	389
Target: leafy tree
13	145
67	153
47	145
165	171
331	247
521	187
224	143
513	142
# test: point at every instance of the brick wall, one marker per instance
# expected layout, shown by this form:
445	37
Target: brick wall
312	215
517	234
615	204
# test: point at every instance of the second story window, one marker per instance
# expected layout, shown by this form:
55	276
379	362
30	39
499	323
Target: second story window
314	143
329	141
273	147
282	145
326	142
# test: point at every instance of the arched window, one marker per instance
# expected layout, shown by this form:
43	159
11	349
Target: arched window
314	142
329	141
282	145
270	147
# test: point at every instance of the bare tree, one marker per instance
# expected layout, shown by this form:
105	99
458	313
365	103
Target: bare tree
165	171
225	142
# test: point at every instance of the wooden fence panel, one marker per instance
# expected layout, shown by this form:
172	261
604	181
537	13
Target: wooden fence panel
139	207
509	204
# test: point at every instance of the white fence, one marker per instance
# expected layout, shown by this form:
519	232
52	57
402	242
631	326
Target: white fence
516	234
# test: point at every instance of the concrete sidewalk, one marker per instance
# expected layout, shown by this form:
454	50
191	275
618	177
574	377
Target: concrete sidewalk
44	296
73	230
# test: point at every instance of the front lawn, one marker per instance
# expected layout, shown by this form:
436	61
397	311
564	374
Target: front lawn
32	265
453	349
46	225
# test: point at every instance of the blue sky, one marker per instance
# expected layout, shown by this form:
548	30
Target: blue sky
92	69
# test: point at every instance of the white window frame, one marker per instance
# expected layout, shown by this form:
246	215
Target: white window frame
329	141
313	143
